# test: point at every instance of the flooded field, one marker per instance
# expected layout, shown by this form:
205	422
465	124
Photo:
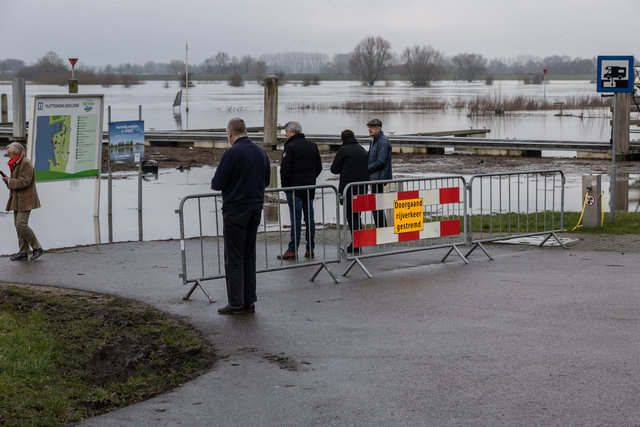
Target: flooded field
66	218
211	105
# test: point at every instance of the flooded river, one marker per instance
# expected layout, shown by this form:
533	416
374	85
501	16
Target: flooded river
66	218
212	104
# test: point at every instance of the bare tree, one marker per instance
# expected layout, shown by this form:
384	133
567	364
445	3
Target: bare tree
246	63
221	60
176	66
260	68
49	69
340	63
469	66
370	58
209	65
11	65
423	64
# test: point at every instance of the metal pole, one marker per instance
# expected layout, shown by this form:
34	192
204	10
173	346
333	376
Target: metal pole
612	178
109	178
140	186
186	78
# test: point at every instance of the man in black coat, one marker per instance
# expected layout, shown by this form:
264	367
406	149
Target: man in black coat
351	163
301	165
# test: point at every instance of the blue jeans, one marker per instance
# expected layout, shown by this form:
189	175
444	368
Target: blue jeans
303	206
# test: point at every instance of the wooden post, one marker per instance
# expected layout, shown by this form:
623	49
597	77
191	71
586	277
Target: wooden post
19	111
73	86
620	146
4	106
621	120
270	112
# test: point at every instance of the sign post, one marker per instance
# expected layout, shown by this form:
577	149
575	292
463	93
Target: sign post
615	75
73	83
73	61
126	144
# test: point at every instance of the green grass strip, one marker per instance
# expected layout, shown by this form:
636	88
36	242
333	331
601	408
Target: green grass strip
67	356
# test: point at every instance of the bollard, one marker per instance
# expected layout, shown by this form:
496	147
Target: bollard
270	112
592	201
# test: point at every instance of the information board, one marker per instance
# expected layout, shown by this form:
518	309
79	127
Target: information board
126	141
65	136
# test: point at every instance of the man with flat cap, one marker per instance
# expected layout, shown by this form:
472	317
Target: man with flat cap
379	164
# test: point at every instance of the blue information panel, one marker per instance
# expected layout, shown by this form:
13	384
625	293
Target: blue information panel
615	74
126	141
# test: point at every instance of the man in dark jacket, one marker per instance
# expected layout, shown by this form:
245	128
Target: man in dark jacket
241	176
379	164
301	165
351	163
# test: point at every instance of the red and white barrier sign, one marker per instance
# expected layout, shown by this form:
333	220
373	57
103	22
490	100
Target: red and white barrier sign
394	234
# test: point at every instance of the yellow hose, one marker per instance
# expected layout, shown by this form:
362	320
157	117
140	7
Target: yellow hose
584	205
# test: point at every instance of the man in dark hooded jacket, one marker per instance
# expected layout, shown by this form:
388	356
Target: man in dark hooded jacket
301	165
351	163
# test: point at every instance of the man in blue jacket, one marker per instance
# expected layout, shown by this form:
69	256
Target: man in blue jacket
379	164
241	176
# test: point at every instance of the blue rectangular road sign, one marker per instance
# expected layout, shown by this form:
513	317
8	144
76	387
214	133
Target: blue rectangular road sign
615	74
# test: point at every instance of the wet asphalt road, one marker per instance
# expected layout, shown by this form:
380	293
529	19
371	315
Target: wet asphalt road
539	336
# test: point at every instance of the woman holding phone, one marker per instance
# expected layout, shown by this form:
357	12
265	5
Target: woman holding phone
23	197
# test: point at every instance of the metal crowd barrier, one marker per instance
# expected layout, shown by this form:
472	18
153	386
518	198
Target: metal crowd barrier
399	216
202	244
514	205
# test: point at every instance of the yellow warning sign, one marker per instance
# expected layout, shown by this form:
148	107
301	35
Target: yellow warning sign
407	215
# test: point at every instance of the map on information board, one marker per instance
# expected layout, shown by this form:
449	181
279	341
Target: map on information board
65	136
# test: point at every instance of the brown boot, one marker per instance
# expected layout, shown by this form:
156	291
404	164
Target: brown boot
288	255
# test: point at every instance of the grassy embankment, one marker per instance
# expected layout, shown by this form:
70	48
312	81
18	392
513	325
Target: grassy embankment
625	223
66	355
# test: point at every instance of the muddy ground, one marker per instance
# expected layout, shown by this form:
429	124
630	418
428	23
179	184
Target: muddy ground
466	164
129	339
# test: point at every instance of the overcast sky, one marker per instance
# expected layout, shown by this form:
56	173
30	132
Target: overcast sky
101	32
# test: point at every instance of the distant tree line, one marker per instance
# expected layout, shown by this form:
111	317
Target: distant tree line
371	60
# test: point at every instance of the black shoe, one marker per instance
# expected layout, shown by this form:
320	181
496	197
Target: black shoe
353	250
231	309
37	253
19	257
250	308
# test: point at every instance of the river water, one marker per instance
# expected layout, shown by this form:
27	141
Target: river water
66	218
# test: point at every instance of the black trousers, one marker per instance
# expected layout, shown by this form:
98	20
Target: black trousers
378	216
353	219
240	230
